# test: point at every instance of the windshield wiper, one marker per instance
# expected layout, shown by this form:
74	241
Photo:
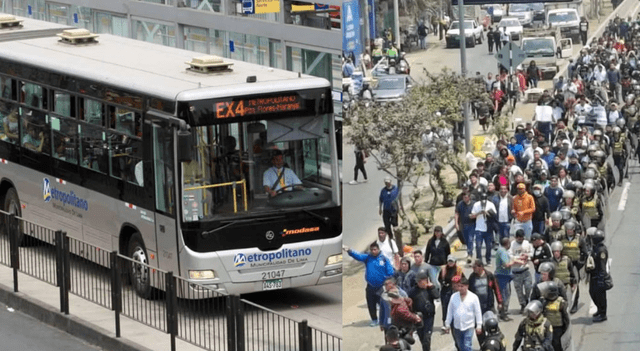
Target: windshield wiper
324	219
227	224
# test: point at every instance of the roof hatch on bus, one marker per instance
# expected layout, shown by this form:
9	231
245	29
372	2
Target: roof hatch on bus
77	36
209	64
9	21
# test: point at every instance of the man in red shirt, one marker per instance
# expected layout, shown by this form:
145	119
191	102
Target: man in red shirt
523	208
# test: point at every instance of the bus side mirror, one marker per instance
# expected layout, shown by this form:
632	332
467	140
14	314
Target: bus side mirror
185	144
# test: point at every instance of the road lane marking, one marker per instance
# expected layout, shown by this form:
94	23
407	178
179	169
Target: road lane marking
623	198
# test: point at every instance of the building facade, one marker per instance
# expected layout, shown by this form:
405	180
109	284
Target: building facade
287	36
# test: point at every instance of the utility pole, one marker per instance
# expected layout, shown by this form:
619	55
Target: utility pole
396	16
463	73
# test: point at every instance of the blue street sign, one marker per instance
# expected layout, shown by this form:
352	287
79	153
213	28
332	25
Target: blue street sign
29	11
75	18
351	29
232	47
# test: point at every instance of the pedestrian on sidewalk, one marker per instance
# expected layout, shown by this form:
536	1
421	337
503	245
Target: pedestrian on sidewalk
435	253
483	210
463	313
424	296
388	247
377	269
450	272
423	31
361	159
388	205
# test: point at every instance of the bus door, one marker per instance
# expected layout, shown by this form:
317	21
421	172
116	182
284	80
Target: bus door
163	131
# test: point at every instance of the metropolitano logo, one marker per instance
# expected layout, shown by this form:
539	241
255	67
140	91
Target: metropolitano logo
239	260
46	190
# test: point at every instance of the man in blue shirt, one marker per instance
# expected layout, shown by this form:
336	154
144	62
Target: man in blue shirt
553	193
465	223
388	205
279	177
377	269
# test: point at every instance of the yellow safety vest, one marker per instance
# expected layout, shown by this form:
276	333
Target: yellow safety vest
590	207
571	248
553	312
562	270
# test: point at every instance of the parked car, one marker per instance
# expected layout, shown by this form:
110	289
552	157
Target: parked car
392	87
472	32
567	20
538	11
522	12
496	12
513	27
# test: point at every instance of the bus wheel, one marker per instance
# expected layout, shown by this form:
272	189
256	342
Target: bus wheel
138	273
12	206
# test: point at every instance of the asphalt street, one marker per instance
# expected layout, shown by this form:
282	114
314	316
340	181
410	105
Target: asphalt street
22	332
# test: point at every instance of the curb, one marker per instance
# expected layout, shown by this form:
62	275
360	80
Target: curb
67	323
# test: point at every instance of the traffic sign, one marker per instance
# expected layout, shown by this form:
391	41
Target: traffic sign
510	56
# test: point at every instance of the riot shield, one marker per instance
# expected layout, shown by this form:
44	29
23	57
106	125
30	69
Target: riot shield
586	220
566	341
616	174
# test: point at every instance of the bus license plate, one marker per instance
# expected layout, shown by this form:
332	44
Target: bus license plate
273	284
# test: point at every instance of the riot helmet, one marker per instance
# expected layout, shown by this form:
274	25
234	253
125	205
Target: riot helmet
556	216
549	268
598	237
552	292
533	309
556	245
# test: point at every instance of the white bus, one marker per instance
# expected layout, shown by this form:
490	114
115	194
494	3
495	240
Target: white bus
143	149
16	27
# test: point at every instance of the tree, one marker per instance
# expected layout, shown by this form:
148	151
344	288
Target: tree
395	132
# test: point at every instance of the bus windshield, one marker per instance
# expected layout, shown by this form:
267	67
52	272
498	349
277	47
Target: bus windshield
247	167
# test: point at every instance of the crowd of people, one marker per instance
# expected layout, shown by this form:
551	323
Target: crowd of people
532	216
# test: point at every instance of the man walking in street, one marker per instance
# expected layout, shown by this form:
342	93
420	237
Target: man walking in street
422	34
435	254
503	275
523	208
503	203
483	211
424	296
387	246
522	280
484	284
465	223
377	269
388	205
464	314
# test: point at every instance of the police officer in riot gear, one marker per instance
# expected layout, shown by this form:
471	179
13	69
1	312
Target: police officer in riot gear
493	338
547	274
620	152
535	332
556	230
599	275
592	206
575	248
555	310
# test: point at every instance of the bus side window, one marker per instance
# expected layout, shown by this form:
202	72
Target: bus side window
64	139
35	131
94	148
126	158
63	104
9	123
7	88
91	111
125	121
34	95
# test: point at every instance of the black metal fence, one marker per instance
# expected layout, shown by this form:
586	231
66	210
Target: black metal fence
187	311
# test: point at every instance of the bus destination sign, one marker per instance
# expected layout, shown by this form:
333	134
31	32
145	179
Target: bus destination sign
257	106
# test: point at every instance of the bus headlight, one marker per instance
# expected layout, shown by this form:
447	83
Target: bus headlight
208	274
334	259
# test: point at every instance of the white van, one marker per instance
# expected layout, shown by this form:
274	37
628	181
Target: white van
567	20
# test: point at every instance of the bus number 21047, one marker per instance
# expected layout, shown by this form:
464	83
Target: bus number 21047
273	274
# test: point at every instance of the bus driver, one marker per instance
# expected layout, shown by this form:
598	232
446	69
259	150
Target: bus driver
279	177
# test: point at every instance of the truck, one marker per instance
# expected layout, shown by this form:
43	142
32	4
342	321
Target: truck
547	48
567	20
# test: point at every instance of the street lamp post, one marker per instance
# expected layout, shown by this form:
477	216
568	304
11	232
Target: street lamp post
463	72
396	16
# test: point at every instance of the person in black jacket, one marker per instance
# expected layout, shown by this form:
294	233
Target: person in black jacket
423	296
541	253
599	276
436	253
542	211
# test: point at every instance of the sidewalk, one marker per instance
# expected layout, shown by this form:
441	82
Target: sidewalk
86	320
